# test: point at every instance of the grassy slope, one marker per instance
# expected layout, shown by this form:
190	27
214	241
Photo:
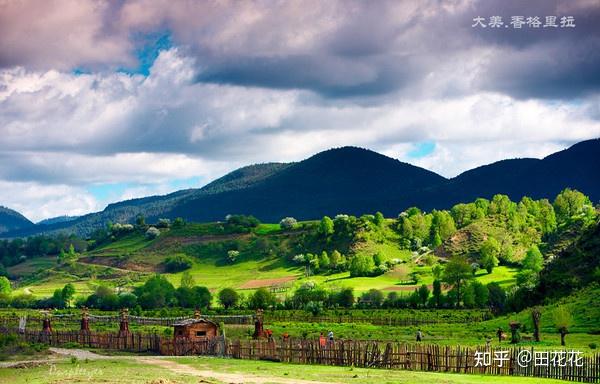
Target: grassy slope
583	330
134	257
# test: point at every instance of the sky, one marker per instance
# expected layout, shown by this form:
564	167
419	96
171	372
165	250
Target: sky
102	101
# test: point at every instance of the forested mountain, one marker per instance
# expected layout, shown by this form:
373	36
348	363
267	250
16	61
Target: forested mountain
577	167
345	180
12	220
56	220
353	181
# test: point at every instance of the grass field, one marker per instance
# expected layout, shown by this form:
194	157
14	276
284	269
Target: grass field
213	370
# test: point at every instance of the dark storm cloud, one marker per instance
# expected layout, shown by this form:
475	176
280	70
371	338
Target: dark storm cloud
554	63
338	49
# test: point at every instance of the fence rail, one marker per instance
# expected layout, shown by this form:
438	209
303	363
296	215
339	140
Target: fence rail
368	354
391	320
138	320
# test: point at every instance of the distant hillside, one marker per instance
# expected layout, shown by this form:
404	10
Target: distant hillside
575	267
11	220
576	167
353	181
56	220
345	180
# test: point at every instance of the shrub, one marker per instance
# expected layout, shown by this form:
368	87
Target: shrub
288	223
232	255
163	223
228	297
361	265
177	263
152	233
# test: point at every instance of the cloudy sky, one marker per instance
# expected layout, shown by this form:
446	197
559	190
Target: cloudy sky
107	100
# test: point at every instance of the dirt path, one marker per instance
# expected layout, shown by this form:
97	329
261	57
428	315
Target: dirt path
164	362
80	354
231	378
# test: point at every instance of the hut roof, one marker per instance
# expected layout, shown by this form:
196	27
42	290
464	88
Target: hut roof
194	321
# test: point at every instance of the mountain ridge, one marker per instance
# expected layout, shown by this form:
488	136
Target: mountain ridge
350	180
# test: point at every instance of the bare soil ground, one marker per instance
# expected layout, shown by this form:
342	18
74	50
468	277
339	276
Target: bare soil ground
166	362
261	283
407	288
232	378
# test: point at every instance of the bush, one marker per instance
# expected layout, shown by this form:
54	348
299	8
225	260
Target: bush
163	223
361	265
152	233
177	263
288	223
261	299
228	297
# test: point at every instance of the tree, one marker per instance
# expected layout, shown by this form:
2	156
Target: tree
5	288
324	262
569	203
127	300
326	226
152	233
335	258
361	265
288	223
232	255
68	292
496	297
456	273
437	292
527	278
57	299
437	240
372	298
187	281
489	251
228	297
423	294
178	263
378	219
345	298
261	299
481	294
178	223
140	220
562	321
157	292
437	271
468	296
536	316
533	259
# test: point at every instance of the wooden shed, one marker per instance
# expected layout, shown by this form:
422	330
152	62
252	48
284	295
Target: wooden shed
195	330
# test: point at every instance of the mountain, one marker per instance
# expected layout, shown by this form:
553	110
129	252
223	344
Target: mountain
12	220
55	220
353	181
344	180
577	167
154	207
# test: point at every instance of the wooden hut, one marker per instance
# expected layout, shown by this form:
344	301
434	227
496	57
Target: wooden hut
195	330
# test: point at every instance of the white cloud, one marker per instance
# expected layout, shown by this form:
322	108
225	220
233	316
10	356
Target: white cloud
62	132
37	201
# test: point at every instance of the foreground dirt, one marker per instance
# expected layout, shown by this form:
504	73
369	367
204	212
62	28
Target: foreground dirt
205	375
231	378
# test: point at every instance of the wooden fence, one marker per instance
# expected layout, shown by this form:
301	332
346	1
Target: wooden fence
134	342
417	357
367	354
